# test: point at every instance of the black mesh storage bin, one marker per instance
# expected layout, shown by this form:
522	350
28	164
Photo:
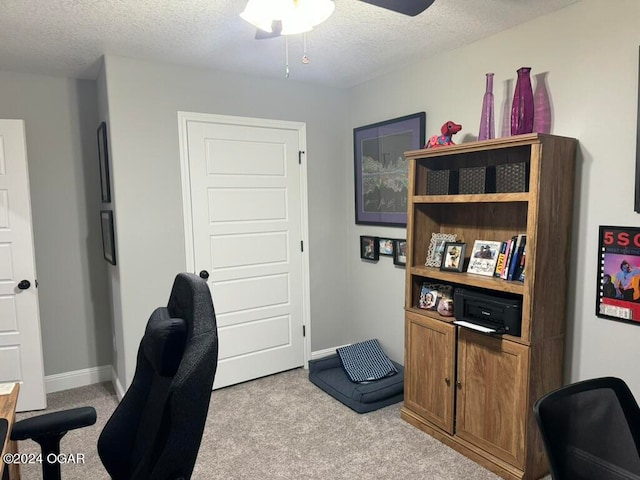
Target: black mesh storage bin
512	177
442	182
477	180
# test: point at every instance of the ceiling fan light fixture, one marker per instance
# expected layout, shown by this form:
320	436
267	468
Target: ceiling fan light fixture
296	21
257	14
315	11
293	27
297	16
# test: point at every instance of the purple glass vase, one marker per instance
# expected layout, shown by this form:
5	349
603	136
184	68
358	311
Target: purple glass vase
487	124
522	107
542	103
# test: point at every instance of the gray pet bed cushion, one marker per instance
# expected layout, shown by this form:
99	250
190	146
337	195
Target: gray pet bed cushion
328	374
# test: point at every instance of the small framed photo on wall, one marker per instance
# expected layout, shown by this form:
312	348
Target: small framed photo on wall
369	248
385	246
103	158
108	237
400	252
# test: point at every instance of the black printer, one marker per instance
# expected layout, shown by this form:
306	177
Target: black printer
488	313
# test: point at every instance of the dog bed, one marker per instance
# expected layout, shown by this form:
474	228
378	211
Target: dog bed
328	374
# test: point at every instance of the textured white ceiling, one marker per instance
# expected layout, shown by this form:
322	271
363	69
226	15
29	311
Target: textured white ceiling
358	42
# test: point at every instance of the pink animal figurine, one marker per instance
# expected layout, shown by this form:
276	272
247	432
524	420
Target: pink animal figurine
448	130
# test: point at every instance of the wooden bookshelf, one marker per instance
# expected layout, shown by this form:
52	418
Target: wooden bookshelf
473	391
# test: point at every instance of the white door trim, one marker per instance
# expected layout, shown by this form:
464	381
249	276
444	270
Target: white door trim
183	119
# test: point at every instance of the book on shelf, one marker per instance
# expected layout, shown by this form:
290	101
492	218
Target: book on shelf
511	245
517	256
520	271
501	258
484	257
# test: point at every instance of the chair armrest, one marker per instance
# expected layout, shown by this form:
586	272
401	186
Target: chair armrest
53	423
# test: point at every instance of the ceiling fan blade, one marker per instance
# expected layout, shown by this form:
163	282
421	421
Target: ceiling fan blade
276	28
406	7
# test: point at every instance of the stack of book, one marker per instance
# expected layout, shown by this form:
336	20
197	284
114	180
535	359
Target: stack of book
512	259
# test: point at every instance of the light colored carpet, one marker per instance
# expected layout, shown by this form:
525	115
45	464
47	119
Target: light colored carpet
280	427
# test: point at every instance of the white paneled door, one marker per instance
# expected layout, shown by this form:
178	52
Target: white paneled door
20	341
245	217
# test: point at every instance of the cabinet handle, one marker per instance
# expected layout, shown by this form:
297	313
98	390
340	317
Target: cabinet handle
447	380
459	384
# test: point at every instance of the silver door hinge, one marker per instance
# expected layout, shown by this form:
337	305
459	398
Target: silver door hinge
301	245
300	153
304	330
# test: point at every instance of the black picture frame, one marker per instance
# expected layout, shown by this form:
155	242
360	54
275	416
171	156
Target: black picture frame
369	247
103	159
453	256
108	237
400	252
618	291
381	170
385	246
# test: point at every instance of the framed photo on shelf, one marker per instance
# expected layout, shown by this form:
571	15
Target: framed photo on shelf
445	300
436	248
385	246
399	252
453	256
103	158
369	248
108	238
618	287
428	297
381	170
484	257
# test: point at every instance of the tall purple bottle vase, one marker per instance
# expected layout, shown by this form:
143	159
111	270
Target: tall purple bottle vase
522	107
487	123
542	103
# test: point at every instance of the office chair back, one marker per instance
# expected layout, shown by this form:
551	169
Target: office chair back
591	430
156	430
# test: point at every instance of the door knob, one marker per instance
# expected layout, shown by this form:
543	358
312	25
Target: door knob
204	274
24	284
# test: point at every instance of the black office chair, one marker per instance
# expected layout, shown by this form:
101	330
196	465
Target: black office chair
156	430
591	430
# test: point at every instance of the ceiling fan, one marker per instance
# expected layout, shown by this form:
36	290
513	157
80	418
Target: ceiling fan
405	7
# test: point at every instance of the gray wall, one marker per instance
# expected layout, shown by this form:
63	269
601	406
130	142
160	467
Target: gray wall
589	52
61	119
143	99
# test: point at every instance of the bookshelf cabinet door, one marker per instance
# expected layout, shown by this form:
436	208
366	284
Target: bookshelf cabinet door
429	370
492	393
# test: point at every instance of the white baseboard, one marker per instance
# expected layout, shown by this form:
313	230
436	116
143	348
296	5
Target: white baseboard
89	376
326	352
115	381
77	378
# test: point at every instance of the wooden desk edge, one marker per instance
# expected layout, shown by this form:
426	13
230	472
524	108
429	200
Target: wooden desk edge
8	410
